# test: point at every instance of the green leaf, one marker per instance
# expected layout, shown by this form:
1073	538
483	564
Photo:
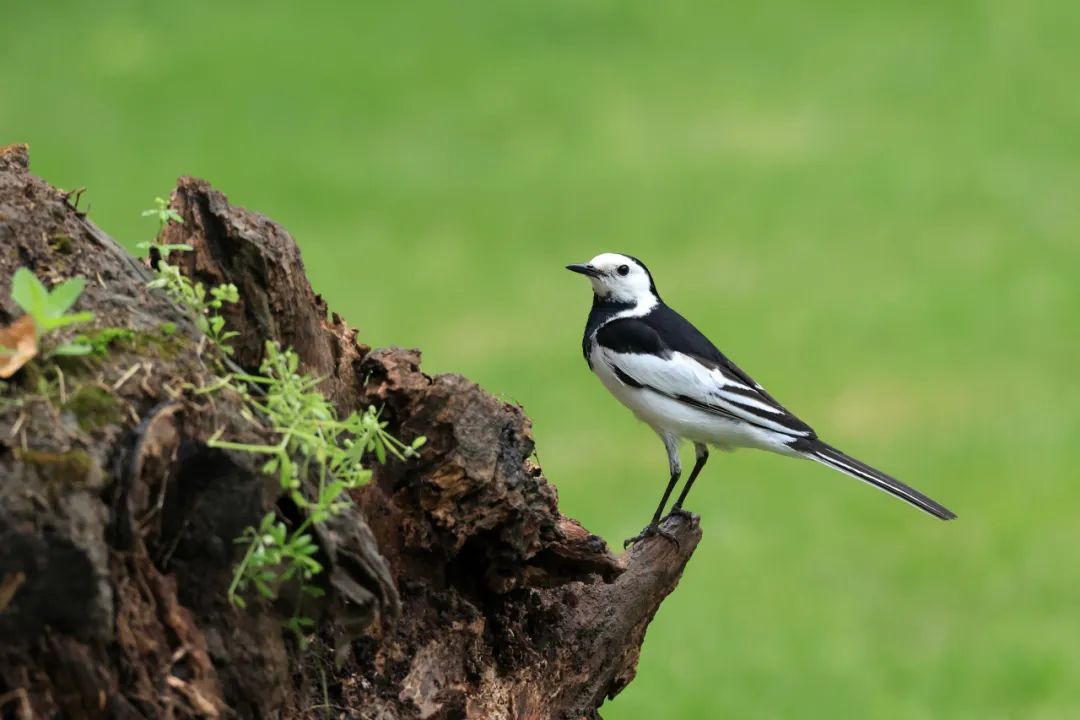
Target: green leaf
52	323
64	295
29	294
73	349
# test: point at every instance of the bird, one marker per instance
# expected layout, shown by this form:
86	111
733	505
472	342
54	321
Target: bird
673	378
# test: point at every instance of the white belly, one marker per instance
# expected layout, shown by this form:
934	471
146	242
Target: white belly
673	418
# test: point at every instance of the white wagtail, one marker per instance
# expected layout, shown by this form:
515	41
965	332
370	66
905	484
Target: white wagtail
670	376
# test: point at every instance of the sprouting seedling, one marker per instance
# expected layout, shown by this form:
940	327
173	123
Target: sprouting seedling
164	215
49	309
205	304
163	212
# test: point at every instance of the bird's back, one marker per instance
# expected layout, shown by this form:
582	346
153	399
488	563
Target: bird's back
682	336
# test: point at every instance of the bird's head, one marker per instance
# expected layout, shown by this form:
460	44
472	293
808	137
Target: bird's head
619	278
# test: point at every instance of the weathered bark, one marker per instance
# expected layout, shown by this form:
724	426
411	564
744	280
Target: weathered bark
454	588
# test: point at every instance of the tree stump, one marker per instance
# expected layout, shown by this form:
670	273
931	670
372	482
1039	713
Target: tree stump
454	587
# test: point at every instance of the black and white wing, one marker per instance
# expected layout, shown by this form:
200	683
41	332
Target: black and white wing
665	353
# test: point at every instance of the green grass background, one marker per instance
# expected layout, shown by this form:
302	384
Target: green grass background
874	207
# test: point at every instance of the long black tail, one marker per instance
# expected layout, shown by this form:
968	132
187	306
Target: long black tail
828	455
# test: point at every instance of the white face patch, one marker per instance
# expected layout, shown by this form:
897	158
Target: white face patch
622	280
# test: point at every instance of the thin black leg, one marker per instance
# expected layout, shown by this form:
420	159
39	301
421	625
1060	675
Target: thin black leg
671	444
663	501
702	457
653	528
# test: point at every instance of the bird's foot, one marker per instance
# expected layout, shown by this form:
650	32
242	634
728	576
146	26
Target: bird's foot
680	513
649	531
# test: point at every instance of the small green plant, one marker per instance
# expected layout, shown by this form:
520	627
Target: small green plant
49	309
102	340
164	215
163	212
314	443
204	304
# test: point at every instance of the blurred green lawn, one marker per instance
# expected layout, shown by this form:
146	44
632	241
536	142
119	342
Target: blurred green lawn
874	207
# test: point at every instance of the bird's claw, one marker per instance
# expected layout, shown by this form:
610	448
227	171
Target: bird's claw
680	513
649	531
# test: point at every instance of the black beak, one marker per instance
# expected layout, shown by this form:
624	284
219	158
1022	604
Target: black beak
584	270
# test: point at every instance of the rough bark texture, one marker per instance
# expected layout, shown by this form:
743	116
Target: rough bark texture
454	587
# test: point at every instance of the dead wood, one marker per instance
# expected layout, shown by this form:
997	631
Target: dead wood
455	587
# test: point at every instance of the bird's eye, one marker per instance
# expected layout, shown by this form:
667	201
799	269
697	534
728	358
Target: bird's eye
623	270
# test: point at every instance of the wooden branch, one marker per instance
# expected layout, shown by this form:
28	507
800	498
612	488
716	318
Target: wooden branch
454	589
